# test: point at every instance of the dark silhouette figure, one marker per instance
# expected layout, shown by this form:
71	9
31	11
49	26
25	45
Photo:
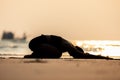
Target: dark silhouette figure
51	46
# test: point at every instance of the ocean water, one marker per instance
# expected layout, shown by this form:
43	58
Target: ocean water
11	48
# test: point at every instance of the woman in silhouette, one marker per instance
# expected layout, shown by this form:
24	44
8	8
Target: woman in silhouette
52	46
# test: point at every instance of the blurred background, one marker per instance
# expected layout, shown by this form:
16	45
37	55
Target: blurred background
91	20
72	19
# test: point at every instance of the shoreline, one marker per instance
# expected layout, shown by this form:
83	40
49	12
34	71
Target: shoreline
21	57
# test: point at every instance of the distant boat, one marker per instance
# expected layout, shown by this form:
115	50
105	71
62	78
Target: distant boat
7	35
10	36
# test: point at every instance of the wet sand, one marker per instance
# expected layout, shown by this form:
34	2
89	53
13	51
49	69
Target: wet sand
59	69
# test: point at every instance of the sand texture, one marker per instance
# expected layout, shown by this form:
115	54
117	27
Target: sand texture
59	69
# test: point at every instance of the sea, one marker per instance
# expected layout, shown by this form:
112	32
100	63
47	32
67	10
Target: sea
17	49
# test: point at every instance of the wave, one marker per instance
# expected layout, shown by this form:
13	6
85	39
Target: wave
11	48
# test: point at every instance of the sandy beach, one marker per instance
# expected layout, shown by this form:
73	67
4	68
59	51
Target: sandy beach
59	69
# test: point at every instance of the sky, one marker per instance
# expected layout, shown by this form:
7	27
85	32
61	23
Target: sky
71	19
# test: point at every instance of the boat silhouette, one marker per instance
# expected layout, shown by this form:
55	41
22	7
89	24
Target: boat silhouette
11	36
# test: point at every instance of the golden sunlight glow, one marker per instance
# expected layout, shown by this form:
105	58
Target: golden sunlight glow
73	19
104	48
